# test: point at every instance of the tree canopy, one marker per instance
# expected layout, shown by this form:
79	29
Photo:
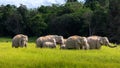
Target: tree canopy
94	17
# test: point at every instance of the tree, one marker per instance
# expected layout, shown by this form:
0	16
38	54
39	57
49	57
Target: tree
14	24
71	0
100	15
114	20
24	13
94	17
94	4
87	17
7	12
36	25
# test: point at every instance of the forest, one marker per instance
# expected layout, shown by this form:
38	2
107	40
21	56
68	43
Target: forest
93	17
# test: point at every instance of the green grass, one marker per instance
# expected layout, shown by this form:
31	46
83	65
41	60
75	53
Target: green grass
32	57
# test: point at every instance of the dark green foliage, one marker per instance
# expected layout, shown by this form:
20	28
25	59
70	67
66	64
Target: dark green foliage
71	0
36	25
106	18
114	20
94	17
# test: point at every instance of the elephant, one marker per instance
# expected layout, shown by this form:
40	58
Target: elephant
41	40
95	42
59	39
76	42
64	40
63	46
49	44
19	40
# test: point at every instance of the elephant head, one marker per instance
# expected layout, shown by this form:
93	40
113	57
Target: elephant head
59	39
105	41
24	40
83	42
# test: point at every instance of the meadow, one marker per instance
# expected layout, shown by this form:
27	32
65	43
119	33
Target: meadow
32	57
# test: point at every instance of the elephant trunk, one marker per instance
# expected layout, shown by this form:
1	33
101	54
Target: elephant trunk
112	46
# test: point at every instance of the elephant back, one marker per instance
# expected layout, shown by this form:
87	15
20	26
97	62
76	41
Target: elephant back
71	42
93	37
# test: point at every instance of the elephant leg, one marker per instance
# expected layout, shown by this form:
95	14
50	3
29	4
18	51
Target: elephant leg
98	45
38	45
25	45
16	46
87	47
41	45
83	47
77	46
21	46
20	43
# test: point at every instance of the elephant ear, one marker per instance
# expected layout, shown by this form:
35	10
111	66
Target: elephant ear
81	40
26	38
104	40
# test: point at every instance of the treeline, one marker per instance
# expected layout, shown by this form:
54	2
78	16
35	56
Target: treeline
94	17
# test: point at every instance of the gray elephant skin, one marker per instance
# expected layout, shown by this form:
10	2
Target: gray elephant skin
76	42
49	45
19	40
63	46
95	42
58	39
41	40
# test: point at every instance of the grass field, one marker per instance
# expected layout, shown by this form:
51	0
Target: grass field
32	57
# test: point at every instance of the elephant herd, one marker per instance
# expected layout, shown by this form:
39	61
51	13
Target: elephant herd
72	42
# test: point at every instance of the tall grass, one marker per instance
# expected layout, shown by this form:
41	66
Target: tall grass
32	57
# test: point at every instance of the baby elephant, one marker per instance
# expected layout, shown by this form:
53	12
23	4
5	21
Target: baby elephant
62	46
19	40
49	44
